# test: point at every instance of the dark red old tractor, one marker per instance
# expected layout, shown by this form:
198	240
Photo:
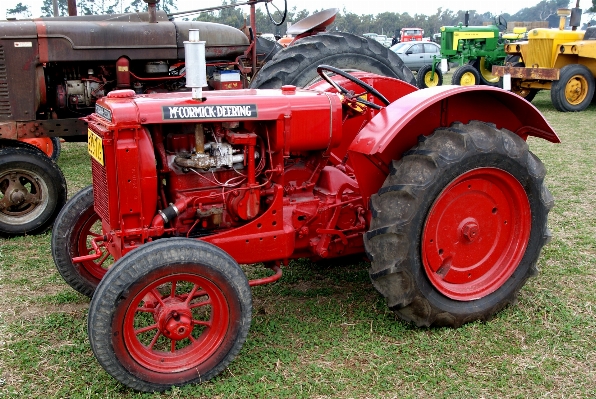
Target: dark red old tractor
437	187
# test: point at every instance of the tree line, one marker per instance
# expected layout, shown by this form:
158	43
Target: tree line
384	23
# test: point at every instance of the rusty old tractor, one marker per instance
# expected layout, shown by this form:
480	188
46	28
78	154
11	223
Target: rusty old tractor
53	71
437	187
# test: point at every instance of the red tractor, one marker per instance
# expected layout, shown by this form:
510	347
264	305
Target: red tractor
53	71
437	187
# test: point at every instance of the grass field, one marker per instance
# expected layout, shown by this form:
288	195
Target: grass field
326	333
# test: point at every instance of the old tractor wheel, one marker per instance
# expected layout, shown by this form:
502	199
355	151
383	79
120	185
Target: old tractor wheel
297	64
466	75
75	227
32	191
485	72
425	77
172	312
574	90
458	225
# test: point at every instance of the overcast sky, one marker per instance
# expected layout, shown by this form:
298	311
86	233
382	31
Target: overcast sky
427	7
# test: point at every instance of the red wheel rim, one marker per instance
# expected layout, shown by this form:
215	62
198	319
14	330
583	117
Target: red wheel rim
476	234
98	267
176	323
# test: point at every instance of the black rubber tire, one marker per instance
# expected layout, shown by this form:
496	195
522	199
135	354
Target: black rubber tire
582	76
297	64
523	92
39	175
56	148
400	209
464	73
76	216
486	76
142	267
423	77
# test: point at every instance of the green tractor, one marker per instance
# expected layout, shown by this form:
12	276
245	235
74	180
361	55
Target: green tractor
475	48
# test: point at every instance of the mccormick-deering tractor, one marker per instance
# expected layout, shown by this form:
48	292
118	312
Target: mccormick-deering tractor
437	187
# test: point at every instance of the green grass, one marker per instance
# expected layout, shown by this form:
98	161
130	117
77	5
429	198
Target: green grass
324	332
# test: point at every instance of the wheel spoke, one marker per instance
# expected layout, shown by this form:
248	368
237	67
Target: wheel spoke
154	340
145	329
157	296
192	294
173	346
202	323
102	259
145	309
173	293
199	304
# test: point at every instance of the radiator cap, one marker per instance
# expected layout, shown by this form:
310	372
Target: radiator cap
127	93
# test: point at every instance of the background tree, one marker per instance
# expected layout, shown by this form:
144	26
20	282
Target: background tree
19	9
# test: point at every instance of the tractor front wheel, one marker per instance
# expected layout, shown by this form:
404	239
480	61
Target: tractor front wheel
458	225
171	312
574	90
32	191
75	227
466	75
425	77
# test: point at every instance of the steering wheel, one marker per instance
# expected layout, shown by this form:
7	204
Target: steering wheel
501	23
350	94
277	10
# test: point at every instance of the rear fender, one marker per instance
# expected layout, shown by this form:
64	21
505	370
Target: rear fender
396	128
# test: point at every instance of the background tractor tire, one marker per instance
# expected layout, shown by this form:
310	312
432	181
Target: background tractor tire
466	75
32	191
485	73
425	78
169	313
574	90
73	230
297	64
458	225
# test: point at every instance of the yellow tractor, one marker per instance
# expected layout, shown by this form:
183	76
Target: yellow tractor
559	60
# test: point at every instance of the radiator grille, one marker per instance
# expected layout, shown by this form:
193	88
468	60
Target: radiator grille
539	53
5	109
100	190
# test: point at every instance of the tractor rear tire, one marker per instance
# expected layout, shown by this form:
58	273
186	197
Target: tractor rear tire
466	75
458	225
424	77
73	230
574	90
297	64
169	313
486	75
32	191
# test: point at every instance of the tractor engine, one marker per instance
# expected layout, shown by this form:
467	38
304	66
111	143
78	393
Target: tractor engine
245	170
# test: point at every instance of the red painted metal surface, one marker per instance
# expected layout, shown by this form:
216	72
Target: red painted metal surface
423	111
476	234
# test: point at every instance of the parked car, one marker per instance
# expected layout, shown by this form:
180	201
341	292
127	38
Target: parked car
417	54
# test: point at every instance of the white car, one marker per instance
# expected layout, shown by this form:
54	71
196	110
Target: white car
417	54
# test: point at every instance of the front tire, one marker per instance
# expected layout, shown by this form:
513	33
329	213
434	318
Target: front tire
425	78
458	225
171	312
466	75
32	191
574	90
73	230
297	64
484	72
